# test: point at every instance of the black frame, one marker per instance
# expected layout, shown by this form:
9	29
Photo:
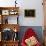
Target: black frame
29	12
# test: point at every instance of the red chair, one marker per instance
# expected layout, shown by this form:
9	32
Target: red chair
29	33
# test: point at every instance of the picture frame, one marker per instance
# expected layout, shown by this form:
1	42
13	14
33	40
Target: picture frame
29	12
5	12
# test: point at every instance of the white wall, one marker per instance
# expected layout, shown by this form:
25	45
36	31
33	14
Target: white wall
32	4
27	4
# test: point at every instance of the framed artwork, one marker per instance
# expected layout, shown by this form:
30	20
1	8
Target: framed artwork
5	12
29	12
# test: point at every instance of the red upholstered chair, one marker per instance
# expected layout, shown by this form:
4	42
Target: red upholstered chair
28	34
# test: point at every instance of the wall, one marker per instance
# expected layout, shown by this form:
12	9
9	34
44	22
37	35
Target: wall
31	4
27	4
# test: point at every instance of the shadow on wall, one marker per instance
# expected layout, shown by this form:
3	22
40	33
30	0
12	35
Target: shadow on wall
37	29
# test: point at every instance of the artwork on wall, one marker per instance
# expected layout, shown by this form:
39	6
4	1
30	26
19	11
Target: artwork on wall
5	12
29	12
